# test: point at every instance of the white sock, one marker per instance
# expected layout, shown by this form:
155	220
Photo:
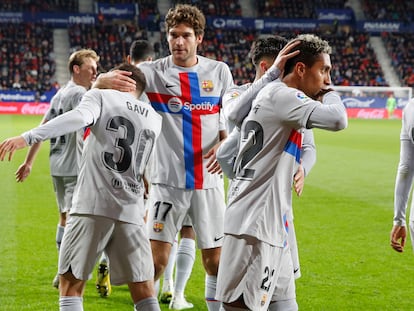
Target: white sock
70	303
59	235
184	264
147	304
210	293
167	284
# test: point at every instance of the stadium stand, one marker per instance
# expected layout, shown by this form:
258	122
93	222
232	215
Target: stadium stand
26	57
27	63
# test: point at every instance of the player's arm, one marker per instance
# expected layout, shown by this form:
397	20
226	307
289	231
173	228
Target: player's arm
331	115
26	167
71	121
308	160
404	179
117	80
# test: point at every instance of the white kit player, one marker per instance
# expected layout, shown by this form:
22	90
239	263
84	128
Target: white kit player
108	210
269	55
260	197
404	182
65	150
186	89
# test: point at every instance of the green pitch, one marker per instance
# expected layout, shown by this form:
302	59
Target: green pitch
343	221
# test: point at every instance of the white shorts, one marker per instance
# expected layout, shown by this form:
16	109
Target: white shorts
258	271
126	245
64	187
169	207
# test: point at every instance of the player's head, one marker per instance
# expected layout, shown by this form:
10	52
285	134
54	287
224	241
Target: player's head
83	67
136	75
140	51
310	70
264	51
185	29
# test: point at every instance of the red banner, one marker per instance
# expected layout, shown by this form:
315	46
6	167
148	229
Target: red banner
23	108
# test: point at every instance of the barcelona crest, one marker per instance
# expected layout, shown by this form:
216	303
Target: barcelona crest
158	227
207	85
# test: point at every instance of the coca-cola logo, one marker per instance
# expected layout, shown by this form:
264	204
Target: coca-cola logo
371	114
40	108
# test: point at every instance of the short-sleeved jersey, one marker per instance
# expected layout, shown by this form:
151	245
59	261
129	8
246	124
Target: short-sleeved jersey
269	155
65	150
189	101
116	150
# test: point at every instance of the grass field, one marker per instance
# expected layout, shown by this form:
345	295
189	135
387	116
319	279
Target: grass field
342	220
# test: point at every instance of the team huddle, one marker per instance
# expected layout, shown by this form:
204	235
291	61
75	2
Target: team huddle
150	142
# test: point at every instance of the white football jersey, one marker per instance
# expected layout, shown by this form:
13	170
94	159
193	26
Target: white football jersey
116	149
65	150
269	155
189	101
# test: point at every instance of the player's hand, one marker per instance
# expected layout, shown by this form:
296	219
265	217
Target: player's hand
23	172
286	54
10	145
398	236
299	180
213	166
321	94
117	80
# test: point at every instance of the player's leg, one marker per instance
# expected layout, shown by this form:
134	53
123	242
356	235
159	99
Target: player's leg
166	211
184	266
207	214
136	269
284	295
249	281
63	188
168	280
84	240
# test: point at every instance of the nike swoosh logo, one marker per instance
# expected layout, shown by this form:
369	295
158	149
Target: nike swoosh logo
169	85
218	239
295	270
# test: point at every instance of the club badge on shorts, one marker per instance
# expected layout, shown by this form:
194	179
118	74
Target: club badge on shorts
158	227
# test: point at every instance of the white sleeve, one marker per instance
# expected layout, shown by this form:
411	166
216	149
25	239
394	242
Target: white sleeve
308	151
237	108
404	181
331	115
227	152
84	115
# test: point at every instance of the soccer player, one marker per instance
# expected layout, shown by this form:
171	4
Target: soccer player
107	213
140	50
186	89
65	150
391	104
269	55
254	250
404	181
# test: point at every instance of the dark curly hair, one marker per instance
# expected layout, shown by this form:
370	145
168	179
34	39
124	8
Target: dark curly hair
187	14
310	48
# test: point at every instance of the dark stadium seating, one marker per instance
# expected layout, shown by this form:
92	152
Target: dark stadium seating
29	64
26	57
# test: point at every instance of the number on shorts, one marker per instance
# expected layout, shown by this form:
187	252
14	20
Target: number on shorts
166	208
266	282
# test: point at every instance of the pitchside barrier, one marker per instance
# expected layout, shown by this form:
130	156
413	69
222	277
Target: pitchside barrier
361	101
